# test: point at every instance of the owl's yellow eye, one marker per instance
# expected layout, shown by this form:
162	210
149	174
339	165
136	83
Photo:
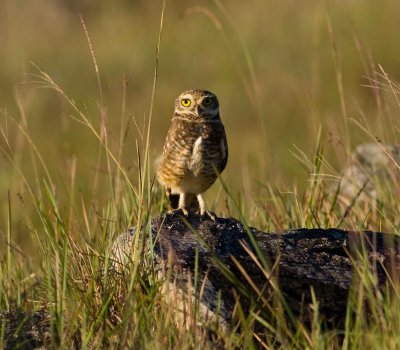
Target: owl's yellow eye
207	101
185	102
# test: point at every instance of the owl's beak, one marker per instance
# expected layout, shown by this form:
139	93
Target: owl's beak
197	110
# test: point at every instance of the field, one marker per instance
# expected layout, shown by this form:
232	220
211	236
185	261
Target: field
86	98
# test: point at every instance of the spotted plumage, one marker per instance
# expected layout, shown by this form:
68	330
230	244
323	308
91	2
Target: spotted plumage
195	150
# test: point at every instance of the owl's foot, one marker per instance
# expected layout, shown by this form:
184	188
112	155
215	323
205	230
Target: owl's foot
182	205
209	214
202	206
179	211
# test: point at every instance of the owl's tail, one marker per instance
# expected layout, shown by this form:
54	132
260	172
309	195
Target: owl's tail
192	204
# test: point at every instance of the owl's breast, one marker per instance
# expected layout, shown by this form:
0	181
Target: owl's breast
192	156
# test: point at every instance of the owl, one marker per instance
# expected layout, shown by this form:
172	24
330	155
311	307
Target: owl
195	150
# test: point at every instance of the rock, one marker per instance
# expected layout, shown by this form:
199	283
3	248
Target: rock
297	260
371	173
26	330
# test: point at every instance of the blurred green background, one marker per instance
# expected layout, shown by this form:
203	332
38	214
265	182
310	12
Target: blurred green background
275	66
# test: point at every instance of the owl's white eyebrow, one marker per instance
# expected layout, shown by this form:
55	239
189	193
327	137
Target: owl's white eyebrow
186	97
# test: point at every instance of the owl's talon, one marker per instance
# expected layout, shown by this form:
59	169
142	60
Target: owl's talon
209	214
179	211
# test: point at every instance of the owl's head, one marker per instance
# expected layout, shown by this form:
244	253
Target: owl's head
201	105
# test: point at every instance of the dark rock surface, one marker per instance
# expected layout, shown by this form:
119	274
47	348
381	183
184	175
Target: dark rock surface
299	259
25	330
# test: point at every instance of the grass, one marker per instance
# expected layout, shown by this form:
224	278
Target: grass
78	143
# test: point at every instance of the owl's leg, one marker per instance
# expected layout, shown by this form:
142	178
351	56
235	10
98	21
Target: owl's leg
202	206
182	204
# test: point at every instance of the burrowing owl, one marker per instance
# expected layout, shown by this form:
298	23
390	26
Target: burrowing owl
195	150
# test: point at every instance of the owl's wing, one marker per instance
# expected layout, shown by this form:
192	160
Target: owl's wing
175	152
224	152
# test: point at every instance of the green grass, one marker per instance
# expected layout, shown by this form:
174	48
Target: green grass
84	109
